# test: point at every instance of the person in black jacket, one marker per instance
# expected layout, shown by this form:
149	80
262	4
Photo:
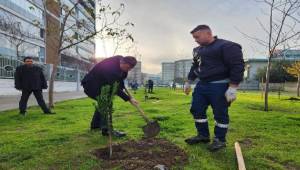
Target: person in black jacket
150	86
29	79
219	66
107	72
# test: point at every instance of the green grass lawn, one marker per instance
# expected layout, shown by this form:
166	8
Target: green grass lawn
269	140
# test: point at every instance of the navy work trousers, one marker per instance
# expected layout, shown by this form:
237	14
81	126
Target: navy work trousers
212	94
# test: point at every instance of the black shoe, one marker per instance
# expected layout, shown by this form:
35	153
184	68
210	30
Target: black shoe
115	133
216	145
95	128
197	139
104	132
49	112
23	113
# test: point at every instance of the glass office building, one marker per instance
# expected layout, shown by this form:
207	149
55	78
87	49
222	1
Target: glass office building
182	68
168	70
24	15
28	15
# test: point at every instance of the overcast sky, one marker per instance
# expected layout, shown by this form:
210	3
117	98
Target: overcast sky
162	27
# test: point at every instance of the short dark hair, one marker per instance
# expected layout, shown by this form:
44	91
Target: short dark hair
129	60
25	58
200	27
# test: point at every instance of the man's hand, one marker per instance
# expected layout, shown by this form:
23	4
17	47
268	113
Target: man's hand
133	102
187	88
230	94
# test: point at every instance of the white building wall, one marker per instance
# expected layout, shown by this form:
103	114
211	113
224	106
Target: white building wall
168	70
135	74
182	68
252	65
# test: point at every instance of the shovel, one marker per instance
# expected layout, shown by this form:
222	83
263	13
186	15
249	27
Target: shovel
152	128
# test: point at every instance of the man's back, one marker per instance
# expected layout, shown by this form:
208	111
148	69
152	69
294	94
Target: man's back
150	82
105	72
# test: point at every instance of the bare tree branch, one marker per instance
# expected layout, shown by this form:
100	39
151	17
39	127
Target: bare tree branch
253	39
278	9
281	26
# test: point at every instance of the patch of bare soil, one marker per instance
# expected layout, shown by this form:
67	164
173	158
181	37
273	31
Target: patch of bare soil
293	99
247	142
142	155
153	98
290	165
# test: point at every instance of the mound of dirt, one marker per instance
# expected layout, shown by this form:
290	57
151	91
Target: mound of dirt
293	99
143	154
153	98
247	142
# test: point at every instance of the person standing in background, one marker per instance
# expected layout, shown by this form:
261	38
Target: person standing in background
29	78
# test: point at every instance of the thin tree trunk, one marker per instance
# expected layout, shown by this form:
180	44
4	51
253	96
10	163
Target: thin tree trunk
298	86
51	85
271	50
267	84
262	88
17	51
110	129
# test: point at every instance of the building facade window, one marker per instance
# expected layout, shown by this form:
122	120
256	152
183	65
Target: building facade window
27	28
26	9
30	15
84	54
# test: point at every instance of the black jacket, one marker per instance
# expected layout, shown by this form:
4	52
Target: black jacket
30	78
106	72
150	83
219	60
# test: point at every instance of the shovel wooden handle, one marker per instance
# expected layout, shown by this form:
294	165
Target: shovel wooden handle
142	113
139	108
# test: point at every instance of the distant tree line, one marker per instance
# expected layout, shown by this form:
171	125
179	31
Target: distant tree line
278	73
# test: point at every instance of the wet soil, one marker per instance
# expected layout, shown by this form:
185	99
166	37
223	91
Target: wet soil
143	154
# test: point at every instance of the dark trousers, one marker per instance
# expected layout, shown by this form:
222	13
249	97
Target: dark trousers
98	121
150	89
39	98
213	94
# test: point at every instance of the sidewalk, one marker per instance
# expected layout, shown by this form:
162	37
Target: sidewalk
8	102
7	87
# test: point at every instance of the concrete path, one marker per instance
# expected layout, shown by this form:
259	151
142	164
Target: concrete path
8	102
7	87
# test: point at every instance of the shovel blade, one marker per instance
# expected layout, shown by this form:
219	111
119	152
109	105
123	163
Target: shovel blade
151	130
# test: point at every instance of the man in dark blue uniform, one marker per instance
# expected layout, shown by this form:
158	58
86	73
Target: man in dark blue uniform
29	78
107	72
219	66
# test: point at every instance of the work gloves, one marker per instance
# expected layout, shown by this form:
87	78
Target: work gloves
187	88
230	94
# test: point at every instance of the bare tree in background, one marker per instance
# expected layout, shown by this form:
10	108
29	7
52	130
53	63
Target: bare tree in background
14	32
123	39
282	30
72	32
119	36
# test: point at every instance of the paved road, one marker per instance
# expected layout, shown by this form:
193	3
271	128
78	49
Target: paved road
8	102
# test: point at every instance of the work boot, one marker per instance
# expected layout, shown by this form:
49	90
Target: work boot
197	139
115	133
216	145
